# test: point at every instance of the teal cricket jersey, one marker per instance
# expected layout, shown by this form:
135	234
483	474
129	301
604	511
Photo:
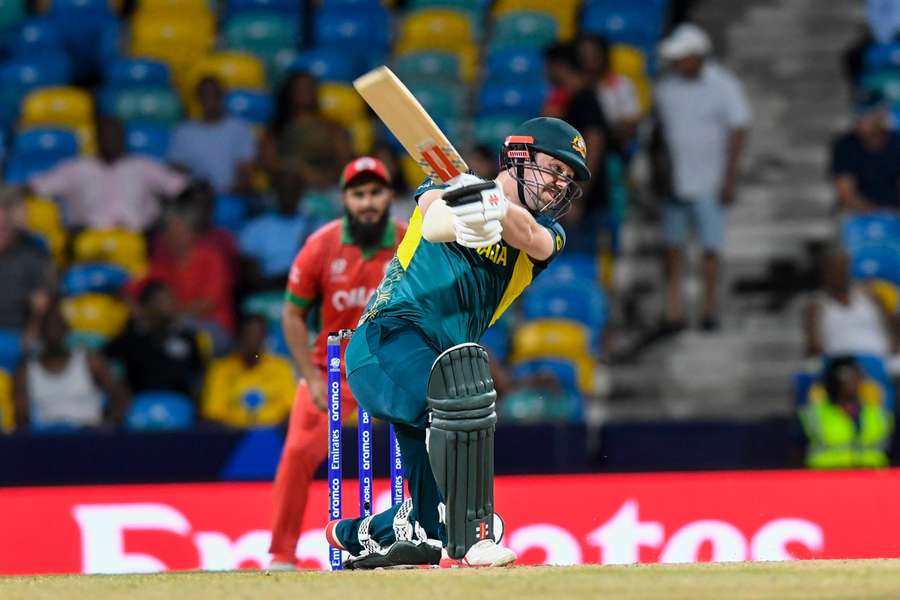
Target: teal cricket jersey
453	293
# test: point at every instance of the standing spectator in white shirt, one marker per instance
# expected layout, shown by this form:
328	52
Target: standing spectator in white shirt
704	117
216	147
111	189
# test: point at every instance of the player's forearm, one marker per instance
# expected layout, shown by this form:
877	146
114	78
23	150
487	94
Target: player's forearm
297	335
425	200
521	231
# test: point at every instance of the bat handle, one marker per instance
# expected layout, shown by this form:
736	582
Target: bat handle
467	194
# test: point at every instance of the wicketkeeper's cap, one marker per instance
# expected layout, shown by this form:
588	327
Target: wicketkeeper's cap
361	166
558	139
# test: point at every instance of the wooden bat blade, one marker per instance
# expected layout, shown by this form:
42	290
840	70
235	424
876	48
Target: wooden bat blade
410	123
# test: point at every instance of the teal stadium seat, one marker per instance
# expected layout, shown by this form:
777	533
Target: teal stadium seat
11	12
441	67
491	130
262	34
888	83
537	30
475	10
148	104
442	100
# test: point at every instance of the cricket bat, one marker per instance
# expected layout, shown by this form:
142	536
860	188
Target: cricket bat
399	110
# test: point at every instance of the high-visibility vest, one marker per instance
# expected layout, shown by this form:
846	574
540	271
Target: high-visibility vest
834	440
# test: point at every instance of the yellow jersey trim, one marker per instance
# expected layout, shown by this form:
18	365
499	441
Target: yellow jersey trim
411	240
523	274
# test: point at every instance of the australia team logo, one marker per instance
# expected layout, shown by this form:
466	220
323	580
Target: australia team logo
578	146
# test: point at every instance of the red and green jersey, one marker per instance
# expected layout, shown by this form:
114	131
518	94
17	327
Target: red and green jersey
331	269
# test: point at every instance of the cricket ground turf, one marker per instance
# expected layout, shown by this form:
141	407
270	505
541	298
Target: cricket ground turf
805	580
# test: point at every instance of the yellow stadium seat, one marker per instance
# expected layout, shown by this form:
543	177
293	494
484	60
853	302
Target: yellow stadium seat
564	11
436	28
7	406
888	294
628	60
96	314
121	247
42	218
178	39
172	6
362	134
234	69
412	172
550	338
58	106
341	103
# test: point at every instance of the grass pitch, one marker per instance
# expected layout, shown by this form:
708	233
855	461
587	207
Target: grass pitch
808	580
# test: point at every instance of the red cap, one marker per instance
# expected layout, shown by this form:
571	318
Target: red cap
364	164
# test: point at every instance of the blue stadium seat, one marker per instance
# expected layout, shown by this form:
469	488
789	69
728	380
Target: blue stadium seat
876	262
230	212
882	57
147	139
10	350
97	278
20	76
570	269
565	372
364	30
126	72
523	64
38	35
291	8
85	27
250	105
496	339
38	142
326	64
871	229
520	98
581	302
160	411
20	169
635	24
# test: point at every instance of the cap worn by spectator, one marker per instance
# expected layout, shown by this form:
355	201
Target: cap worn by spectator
686	40
362	166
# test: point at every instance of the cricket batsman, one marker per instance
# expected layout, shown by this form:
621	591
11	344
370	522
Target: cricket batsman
414	360
339	266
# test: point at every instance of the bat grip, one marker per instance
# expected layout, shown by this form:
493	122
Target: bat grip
467	194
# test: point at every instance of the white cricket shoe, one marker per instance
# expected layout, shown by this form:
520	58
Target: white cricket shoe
278	565
486	553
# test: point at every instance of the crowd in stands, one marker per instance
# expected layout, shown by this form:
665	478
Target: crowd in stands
852	321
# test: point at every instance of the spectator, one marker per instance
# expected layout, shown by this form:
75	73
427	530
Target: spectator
269	242
301	139
846	422
215	147
198	275
704	117
26	270
865	163
882	27
847	317
66	388
249	387
155	351
574	100
111	189
616	93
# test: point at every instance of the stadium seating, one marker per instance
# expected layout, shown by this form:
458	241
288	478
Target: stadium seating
147	139
876	262
496	339
172	6
10	350
290	8
433	66
95	314
341	103
121	247
325	64
517	29
882	57
262	34
61	106
160	411
42	219
11	13
871	229
35	36
491	130
39	150
22	75
441	100
93	278
364	30
150	104
540	405
250	105
515	64
565	12
233	69
230	212
7	405
516	98
578	301
635	23
550	338
128	72
887	82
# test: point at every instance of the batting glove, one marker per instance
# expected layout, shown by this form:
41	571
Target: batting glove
478	203
479	235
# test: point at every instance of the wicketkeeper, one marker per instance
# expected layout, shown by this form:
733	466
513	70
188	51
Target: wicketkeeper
470	250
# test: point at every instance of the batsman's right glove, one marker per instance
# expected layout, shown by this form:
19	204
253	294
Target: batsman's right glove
477	209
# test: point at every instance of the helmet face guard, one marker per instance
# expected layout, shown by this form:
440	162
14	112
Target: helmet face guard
519	160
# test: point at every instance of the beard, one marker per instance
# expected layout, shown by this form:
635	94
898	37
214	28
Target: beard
367	235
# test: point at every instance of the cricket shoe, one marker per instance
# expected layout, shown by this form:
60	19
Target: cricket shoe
399	555
485	553
280	565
